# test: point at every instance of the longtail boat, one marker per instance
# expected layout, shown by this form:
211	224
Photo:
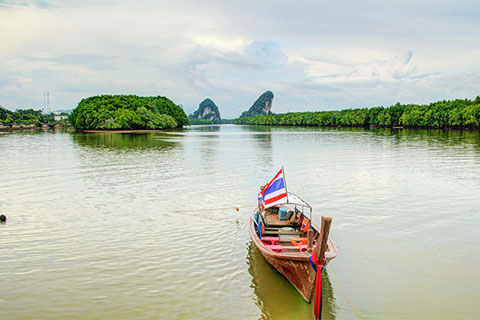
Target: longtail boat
281	228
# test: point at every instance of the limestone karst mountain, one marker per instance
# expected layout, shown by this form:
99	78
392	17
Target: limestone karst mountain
207	110
262	106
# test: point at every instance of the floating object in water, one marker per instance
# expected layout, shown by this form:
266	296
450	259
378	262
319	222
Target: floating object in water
3	218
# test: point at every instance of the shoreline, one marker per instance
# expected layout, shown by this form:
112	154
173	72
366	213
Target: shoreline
44	127
119	131
364	127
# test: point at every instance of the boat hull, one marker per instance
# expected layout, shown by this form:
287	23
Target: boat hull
294	266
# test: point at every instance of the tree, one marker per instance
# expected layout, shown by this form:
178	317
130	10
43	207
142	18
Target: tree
127	112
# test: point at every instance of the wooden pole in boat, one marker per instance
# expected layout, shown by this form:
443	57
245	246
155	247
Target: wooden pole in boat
322	241
310	241
320	255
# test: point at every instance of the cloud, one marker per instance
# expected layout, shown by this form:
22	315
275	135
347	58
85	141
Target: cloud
26	3
87	60
266	53
394	68
312	55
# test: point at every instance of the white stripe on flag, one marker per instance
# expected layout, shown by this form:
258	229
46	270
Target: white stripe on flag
275	193
281	201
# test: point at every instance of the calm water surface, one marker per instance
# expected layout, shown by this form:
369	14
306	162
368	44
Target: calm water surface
142	226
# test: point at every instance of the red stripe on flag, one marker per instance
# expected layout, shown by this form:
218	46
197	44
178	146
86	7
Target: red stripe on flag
276	198
268	185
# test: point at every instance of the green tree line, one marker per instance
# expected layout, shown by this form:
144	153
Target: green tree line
127	112
442	114
26	117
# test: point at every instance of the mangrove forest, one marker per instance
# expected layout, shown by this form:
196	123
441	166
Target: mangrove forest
442	114
110	112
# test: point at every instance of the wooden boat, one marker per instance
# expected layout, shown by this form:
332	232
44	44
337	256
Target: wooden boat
285	255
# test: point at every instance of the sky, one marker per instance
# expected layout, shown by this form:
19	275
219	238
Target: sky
312	54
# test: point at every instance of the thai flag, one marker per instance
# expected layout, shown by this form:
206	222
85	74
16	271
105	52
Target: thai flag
275	192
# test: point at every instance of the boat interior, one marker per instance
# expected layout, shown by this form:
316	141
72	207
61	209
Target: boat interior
284	228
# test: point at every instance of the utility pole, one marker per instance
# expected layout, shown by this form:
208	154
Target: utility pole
48	102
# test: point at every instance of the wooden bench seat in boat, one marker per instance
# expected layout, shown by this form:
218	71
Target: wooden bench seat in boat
270	240
277	227
276	248
280	248
294	248
273	225
293	233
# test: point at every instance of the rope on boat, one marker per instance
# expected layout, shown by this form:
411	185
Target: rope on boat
317	308
341	291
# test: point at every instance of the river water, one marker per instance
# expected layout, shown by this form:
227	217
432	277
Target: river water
143	226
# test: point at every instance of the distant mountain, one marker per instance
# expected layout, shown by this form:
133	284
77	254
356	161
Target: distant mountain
262	106
207	110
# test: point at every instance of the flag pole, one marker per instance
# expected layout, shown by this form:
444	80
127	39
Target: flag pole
285	182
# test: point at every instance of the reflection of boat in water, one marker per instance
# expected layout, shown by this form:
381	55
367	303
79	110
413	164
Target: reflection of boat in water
276	298
285	236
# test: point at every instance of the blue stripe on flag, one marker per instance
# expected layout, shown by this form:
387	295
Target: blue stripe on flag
277	185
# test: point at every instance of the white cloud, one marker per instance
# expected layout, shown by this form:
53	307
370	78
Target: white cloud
394	68
311	54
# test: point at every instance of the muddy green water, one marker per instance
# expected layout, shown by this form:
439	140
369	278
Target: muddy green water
130	226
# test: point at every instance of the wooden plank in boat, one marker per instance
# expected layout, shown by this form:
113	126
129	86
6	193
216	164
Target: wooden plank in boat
274	220
283	232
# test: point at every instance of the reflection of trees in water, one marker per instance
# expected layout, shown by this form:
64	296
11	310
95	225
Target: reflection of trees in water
430	137
208	151
208	143
207	128
257	128
116	140
423	137
115	163
277	298
31	132
263	143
